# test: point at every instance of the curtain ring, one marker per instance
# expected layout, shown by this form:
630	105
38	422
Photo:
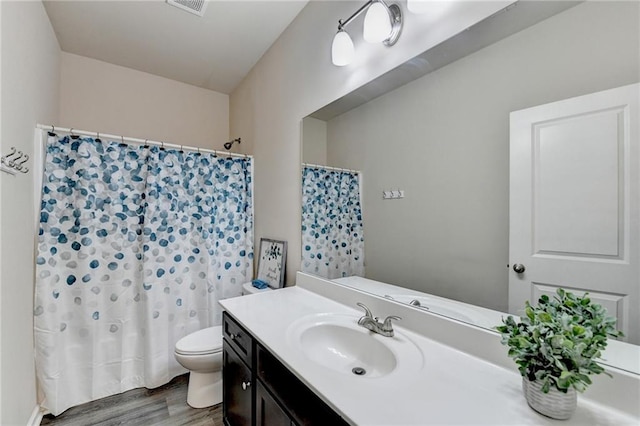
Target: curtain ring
71	131
122	138
53	129
98	135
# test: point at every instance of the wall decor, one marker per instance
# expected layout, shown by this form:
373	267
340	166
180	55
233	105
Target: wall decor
272	259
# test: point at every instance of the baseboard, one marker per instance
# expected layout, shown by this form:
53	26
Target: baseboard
36	416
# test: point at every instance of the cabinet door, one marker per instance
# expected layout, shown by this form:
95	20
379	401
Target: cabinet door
268	412
237	384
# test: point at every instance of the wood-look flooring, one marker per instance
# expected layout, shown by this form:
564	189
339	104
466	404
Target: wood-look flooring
164	406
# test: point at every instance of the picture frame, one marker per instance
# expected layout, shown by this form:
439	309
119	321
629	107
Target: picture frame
272	260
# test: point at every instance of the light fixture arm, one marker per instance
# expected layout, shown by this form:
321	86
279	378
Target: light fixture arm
342	24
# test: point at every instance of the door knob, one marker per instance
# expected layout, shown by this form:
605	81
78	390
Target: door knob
519	268
245	385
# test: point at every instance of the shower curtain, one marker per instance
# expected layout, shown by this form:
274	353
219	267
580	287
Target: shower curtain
135	248
332	229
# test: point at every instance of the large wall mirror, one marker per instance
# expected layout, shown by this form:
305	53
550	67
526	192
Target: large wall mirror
430	144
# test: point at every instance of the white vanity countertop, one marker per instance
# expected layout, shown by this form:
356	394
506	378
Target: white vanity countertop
451	388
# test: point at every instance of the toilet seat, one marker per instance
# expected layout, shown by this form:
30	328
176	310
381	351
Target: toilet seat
205	341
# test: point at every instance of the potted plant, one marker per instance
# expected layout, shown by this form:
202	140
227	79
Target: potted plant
555	345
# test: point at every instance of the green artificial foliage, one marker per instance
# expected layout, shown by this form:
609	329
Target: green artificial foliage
558	341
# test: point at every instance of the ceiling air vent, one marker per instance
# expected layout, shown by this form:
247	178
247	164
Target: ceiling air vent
196	7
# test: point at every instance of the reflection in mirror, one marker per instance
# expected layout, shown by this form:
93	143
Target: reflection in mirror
332	237
443	139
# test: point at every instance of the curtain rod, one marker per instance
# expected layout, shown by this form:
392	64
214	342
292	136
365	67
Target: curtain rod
339	169
74	131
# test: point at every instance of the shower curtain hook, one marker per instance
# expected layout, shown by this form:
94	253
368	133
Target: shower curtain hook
122	138
53	129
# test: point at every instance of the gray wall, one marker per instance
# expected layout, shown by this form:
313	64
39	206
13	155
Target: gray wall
30	76
444	139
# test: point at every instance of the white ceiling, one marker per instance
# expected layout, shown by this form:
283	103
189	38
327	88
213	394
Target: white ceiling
215	51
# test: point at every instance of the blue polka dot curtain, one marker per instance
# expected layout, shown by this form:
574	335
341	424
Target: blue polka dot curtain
332	230
135	248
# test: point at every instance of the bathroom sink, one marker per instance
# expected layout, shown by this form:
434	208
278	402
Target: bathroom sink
336	342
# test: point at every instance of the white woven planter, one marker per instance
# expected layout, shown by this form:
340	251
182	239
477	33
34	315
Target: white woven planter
555	404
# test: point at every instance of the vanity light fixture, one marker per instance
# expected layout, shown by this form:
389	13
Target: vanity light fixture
382	23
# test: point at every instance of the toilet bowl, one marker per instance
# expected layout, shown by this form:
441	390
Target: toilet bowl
201	353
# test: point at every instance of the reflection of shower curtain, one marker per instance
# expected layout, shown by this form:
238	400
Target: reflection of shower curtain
136	247
332	231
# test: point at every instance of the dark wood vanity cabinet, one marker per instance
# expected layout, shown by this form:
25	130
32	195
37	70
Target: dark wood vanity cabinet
258	390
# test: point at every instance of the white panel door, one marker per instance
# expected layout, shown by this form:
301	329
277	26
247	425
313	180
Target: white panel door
574	203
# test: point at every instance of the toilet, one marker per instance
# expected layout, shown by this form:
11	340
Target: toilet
201	353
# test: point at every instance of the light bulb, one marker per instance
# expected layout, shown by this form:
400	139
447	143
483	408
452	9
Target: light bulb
377	23
342	50
418	6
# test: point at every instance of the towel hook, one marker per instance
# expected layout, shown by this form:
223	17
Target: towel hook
6	157
18	165
12	162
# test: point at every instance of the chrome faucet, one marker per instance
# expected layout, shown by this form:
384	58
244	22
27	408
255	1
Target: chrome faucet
370	323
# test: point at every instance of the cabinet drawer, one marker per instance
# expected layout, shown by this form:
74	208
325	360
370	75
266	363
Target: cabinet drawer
238	338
